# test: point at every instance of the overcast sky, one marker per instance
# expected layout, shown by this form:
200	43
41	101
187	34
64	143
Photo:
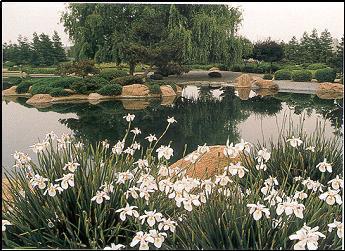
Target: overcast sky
280	21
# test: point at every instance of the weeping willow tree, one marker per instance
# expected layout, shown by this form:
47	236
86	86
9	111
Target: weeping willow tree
203	34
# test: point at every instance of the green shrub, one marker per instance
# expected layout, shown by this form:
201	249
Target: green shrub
282	75
316	66
249	68
14	68
58	92
45	85
301	76
128	80
30	70
41	89
222	67
156	76
325	75
24	86
14	80
89	84
236	68
155	89
268	76
110	90
110	74
293	67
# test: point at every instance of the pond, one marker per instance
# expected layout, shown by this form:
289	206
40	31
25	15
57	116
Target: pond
203	115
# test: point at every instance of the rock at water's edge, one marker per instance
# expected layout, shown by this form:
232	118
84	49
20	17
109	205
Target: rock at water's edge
245	80
135	90
167	91
39	99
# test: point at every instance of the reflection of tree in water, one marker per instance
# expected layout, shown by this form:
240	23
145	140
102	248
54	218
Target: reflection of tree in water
198	121
262	105
306	102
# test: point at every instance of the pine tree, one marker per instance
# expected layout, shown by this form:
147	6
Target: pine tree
59	52
326	51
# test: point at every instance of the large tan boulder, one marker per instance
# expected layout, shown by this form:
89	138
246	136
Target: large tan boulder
178	89
39	99
244	81
94	96
70	91
331	87
243	93
135	90
214	73
10	91
210	164
168	100
135	104
167	91
260	83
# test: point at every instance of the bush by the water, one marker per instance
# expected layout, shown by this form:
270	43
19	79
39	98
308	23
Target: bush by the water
282	75
316	66
325	75
81	195
268	76
110	74
24	86
88	85
45	85
302	76
128	80
110	89
236	68
48	70
15	80
155	89
58	92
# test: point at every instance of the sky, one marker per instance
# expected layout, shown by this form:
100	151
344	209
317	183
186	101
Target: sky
280	21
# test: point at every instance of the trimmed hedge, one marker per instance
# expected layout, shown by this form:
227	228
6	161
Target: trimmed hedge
316	66
155	89
24	86
58	92
128	80
45	85
282	75
301	76
41	89
110	74
110	90
14	80
268	76
88	85
325	75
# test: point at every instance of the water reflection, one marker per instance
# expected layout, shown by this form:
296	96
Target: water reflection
204	115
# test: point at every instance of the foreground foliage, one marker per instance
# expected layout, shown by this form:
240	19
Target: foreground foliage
283	195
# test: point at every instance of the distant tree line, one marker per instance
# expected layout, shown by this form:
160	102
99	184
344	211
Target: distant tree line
313	49
41	51
309	50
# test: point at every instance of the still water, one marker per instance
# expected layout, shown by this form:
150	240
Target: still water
203	115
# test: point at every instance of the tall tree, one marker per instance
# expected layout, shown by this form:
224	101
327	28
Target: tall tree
269	51
326	51
135	33
59	52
